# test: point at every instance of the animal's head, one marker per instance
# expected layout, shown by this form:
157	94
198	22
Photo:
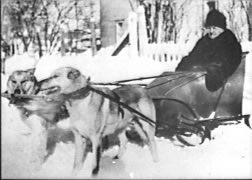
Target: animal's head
63	80
22	82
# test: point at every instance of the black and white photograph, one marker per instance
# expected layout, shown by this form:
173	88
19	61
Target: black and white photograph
126	89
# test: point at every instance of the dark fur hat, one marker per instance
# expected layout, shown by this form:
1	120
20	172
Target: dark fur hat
216	18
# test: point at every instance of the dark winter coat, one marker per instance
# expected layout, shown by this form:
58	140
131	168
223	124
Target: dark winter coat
219	57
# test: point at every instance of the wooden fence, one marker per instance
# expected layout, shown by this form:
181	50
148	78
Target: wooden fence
171	53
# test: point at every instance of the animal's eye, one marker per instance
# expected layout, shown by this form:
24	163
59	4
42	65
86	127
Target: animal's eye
13	81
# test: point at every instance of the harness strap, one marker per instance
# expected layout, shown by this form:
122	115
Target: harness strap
121	83
80	93
7	95
150	77
169	80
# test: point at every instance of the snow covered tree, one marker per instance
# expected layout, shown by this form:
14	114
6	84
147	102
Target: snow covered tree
44	24
23	19
247	6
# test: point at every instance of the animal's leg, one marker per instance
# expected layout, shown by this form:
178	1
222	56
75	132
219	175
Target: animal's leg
96	147
123	143
152	143
105	142
80	151
38	143
148	138
147	131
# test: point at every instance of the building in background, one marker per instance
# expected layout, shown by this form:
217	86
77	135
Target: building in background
113	19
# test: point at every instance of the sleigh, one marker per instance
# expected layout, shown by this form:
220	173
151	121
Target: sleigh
187	110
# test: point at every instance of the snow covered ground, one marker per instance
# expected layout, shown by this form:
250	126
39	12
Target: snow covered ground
228	155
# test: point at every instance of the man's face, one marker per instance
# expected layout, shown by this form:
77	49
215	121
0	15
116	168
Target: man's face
214	31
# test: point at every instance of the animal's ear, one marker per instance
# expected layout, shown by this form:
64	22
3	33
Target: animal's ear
88	79
73	74
31	71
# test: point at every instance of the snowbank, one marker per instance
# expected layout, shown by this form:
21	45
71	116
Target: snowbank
20	62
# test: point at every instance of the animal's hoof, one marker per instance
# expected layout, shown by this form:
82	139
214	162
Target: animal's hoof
95	171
